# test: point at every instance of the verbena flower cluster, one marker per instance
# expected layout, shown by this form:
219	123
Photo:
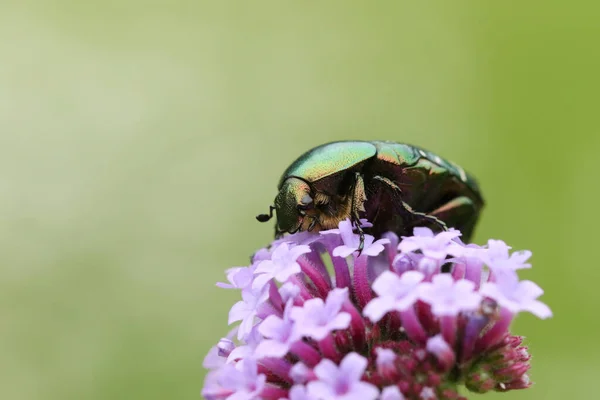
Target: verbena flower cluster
404	319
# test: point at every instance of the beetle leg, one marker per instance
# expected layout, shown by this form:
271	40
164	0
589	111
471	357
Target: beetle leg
414	218
460	213
361	233
358	204
420	217
312	223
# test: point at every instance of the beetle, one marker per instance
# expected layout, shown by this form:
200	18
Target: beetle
395	186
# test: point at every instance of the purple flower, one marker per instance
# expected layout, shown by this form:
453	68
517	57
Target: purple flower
246	309
516	296
396	293
351	241
238	277
342	382
239	382
279	333
447	297
319	321
316	319
281	266
245	350
497	256
435	247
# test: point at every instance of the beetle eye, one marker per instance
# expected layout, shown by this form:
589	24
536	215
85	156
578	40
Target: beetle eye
306	200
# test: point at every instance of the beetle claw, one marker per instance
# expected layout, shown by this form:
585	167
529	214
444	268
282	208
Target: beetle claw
361	245
313	222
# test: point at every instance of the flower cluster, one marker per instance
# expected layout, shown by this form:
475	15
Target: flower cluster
403	319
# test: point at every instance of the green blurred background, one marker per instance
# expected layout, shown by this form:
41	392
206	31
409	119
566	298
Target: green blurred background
138	140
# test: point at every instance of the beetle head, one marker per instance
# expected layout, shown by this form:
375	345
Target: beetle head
291	203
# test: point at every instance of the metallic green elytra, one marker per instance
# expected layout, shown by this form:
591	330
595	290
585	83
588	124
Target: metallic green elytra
395	186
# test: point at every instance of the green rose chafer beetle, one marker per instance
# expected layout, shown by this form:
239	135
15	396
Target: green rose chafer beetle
395	186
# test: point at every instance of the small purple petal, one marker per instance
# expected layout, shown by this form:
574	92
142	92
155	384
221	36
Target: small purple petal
385	356
213	359
300	373
299	392
239	382
364	223
351	241
289	291
428	394
436	247
442	350
391	393
225	347
423	232
252	340
353	366
497	257
262	254
406	262
238	277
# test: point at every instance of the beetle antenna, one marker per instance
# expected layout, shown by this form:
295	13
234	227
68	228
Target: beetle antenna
266	217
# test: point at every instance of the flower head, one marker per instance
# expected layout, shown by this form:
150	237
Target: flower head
386	324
